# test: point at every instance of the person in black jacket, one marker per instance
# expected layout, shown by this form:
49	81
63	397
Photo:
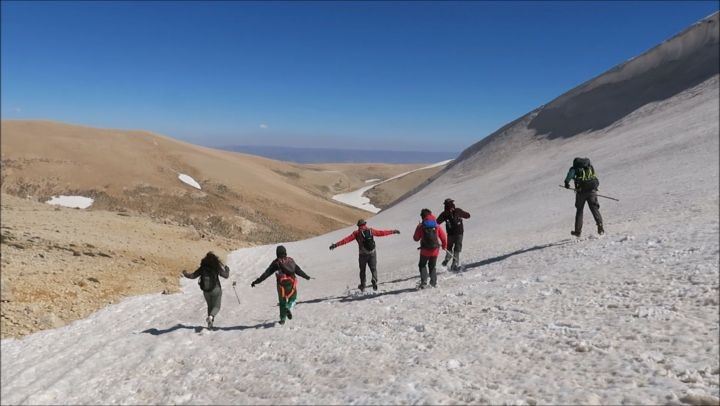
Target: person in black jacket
209	271
285	270
453	218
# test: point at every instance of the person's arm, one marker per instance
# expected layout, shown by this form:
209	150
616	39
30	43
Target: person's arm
383	233
193	275
441	218
418	232
570	176
269	271
224	271
300	272
443	238
462	213
344	241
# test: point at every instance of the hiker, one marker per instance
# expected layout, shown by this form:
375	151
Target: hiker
364	236
428	232
209	271
586	185
453	218
285	270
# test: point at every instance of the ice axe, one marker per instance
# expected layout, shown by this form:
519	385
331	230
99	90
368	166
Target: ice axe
606	197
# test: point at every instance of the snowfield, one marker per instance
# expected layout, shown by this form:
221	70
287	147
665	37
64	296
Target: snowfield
537	317
356	198
79	202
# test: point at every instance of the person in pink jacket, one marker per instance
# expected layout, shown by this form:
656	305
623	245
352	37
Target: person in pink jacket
432	238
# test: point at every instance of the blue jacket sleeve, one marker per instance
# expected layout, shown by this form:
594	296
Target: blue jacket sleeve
570	175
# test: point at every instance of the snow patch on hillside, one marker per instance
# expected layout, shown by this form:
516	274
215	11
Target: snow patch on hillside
357	199
79	202
188	180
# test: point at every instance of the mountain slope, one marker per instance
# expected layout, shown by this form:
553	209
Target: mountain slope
536	318
242	196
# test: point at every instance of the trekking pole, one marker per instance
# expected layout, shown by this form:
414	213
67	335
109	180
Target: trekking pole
607	197
448	252
236	295
451	255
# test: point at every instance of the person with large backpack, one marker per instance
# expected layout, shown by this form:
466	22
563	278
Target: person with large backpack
285	270
211	268
453	218
365	237
428	233
586	182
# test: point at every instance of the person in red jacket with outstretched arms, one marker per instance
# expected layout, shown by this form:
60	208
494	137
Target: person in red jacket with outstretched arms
428	233
364	236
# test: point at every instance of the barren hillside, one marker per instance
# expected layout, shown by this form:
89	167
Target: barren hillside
242	196
384	195
61	264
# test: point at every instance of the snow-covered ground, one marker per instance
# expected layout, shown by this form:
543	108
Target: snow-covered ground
356	198
80	202
537	317
188	180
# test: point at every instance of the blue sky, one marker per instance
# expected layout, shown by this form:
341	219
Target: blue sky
373	75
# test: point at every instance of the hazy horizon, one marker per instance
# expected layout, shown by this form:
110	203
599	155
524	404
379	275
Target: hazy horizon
307	155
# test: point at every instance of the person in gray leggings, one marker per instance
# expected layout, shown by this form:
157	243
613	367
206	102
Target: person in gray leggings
211	268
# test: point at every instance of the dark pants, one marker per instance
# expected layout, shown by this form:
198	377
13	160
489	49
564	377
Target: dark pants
425	263
213	299
590	197
454	246
364	261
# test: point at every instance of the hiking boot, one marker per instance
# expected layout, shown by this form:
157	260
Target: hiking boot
575	233
374	286
289	315
601	230
209	321
281	322
361	287
445	262
421	285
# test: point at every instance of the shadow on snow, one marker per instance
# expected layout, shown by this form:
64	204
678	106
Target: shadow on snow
488	261
197	329
374	295
354	298
518	252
